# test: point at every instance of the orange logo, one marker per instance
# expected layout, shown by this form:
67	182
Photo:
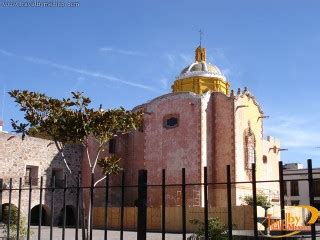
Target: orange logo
293	224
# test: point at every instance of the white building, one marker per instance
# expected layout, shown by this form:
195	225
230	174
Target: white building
296	188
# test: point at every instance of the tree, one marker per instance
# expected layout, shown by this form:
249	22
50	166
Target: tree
71	120
262	200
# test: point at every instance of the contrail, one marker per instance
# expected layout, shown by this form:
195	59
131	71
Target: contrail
77	70
3	100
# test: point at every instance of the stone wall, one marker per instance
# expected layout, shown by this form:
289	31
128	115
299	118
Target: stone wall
16	155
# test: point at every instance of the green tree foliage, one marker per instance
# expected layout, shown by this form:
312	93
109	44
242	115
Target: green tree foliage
72	120
216	230
262	200
14	222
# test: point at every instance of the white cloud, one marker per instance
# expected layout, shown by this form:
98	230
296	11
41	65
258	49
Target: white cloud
7	53
79	71
226	71
121	51
171	60
186	58
164	82
295	131
176	60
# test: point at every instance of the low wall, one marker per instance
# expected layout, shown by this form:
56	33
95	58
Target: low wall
242	217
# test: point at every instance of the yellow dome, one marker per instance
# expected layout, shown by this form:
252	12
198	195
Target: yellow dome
201	76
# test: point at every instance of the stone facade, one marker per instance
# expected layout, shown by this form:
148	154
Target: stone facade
42	159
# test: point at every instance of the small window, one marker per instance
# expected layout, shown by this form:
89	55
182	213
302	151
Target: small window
112	146
265	159
285	188
316	187
294	188
31	176
178	198
316	204
196	198
171	121
57	173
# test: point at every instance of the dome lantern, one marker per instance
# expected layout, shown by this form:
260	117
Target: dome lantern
200	54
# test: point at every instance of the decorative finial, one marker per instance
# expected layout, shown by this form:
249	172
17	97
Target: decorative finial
200	52
200	35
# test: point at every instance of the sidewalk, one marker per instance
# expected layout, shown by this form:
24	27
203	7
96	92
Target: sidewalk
97	234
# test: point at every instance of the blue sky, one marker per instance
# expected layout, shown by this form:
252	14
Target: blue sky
123	53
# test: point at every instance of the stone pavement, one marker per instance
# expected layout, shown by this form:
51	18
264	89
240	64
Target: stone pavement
97	234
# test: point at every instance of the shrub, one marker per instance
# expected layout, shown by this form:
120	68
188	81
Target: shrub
216	229
14	222
13	216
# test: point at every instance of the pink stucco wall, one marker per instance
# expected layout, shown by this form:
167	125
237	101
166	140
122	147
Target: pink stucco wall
210	133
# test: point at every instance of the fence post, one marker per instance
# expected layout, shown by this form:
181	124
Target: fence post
254	196
65	187
106	208
53	185
281	188
184	225
206	212
29	207
122	205
78	207
1	185
163	228
142	205
229	203
311	196
19	208
91	205
40	209
9	217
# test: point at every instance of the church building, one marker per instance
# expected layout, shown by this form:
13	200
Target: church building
201	123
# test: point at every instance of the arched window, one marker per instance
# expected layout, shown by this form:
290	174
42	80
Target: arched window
250	149
265	159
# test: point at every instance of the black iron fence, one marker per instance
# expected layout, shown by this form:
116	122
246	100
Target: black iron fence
83	228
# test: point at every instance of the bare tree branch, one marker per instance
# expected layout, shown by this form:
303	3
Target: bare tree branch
62	155
101	179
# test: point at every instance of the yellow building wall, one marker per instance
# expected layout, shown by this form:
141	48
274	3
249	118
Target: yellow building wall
248	112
